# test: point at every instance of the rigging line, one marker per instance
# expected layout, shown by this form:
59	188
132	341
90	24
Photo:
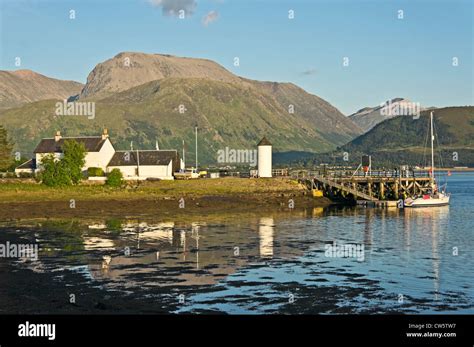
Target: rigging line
437	143
425	146
439	152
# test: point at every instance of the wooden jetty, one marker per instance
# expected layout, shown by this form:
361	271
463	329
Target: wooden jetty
379	188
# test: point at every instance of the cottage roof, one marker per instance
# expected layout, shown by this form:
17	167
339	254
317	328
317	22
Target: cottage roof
91	143
30	164
151	157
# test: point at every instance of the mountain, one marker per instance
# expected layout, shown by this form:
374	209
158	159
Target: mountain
404	140
141	103
23	86
368	117
130	69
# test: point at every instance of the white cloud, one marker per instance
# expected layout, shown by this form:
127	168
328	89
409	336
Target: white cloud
173	7
209	18
309	72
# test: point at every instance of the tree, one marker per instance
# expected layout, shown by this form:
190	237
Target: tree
65	171
115	178
5	149
53	173
74	159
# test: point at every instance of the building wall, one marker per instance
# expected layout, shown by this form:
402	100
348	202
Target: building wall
92	159
158	171
23	171
100	159
40	156
127	171
265	161
146	171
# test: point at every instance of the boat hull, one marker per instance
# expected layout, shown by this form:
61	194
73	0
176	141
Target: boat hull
428	205
443	200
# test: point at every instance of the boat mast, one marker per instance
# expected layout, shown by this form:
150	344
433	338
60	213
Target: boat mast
184	157
196	149
432	150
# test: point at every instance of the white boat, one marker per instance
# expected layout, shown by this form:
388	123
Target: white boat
435	197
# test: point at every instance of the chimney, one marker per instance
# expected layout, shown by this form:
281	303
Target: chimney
57	137
105	134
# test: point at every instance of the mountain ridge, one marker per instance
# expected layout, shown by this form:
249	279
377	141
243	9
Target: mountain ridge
404	140
141	101
369	117
19	87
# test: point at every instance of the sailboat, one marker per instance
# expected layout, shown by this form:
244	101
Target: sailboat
434	197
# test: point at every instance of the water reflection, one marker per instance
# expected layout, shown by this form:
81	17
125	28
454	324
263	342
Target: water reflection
265	233
436	220
406	252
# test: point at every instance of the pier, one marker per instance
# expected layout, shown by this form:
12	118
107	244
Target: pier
379	188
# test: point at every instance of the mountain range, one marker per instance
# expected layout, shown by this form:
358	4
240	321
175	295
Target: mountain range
24	86
405	140
146	98
368	117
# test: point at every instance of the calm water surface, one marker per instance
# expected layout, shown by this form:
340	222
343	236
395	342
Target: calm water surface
413	261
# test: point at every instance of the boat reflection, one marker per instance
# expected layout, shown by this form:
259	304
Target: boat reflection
436	221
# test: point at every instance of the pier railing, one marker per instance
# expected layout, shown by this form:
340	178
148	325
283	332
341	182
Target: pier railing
375	185
334	174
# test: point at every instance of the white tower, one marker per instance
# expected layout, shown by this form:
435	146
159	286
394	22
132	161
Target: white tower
264	158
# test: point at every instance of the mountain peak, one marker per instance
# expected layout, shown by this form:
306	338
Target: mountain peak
130	69
25	73
368	117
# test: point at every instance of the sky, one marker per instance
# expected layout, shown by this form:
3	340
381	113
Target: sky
418	49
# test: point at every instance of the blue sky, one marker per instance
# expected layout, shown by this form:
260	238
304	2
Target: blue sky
388	57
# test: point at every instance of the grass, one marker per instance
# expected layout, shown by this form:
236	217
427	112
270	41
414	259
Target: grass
24	192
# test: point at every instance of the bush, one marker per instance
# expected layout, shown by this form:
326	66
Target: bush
66	171
26	175
73	159
95	172
114	178
54	173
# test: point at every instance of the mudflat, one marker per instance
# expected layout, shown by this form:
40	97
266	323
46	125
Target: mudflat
163	198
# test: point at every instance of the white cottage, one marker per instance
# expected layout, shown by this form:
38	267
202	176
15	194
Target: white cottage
138	164
99	150
146	164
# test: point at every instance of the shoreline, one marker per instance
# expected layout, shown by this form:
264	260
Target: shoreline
177	199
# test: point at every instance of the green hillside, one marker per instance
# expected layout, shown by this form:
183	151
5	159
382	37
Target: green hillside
227	114
402	140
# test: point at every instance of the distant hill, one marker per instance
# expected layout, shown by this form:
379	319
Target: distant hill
402	140
141	102
369	117
24	86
